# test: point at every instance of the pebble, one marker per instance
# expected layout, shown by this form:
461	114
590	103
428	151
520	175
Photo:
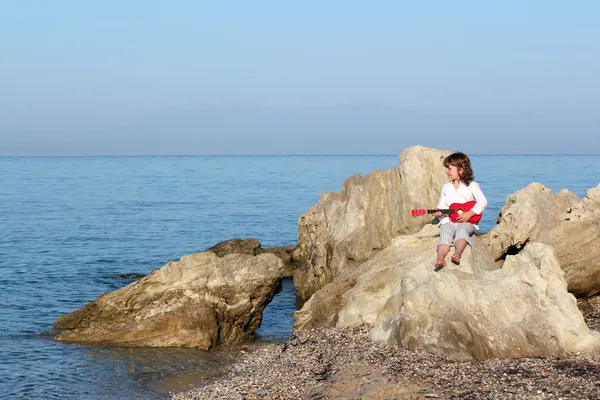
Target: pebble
334	363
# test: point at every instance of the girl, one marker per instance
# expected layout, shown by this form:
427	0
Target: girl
461	188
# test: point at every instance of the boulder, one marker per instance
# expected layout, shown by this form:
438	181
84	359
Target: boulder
521	310
345	229
233	246
562	220
358	296
253	246
201	301
472	311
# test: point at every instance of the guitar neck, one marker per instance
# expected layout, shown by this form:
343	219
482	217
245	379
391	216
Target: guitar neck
454	211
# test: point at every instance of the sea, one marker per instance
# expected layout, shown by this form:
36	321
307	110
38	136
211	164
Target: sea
73	228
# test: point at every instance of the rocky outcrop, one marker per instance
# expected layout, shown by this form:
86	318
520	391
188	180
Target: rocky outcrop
474	310
521	310
236	246
359	296
253	246
562	220
345	229
200	301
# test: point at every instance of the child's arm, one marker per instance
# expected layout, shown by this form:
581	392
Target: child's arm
481	201
480	205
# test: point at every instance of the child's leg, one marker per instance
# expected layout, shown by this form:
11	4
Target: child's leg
442	251
459	246
464	231
447	231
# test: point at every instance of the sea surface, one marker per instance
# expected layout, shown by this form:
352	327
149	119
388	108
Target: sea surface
73	228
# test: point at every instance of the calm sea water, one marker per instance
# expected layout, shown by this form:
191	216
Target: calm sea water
72	228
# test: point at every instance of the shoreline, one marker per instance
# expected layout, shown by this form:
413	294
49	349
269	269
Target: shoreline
335	363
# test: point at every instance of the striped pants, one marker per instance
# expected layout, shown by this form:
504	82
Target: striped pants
451	231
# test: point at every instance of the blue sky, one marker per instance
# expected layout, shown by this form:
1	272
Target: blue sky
138	77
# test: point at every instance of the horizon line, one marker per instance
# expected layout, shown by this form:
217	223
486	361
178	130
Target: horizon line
282	155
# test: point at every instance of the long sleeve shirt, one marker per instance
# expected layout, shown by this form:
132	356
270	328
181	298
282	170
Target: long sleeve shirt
463	194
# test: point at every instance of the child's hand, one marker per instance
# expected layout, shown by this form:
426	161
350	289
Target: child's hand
466	216
438	213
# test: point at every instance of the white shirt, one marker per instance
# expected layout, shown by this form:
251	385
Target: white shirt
463	194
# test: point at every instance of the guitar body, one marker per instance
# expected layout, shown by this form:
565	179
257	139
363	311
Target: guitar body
454	211
459	208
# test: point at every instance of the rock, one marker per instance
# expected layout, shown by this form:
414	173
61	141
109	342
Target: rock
471	311
130	276
584	305
252	246
345	229
285	254
521	310
201	301
240	246
562	220
360	295
526	214
321	310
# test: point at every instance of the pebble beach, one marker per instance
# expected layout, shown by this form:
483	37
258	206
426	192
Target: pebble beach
335	363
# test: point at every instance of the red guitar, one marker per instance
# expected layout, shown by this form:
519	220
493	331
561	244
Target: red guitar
454	211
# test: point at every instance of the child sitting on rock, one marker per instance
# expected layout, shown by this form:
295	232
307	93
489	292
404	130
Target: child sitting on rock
462	188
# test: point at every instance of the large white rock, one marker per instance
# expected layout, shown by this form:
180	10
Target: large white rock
562	220
358	296
345	229
200	301
522	310
474	310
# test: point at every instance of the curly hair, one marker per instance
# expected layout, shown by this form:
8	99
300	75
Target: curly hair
461	160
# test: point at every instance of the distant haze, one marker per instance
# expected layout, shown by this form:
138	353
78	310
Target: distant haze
272	77
323	130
